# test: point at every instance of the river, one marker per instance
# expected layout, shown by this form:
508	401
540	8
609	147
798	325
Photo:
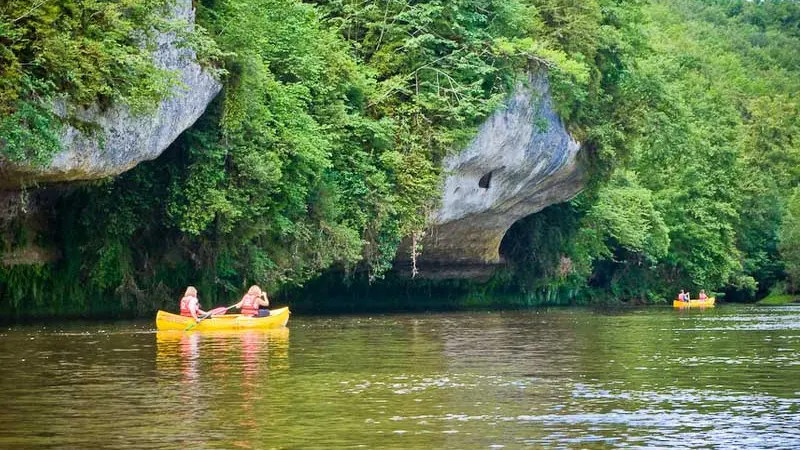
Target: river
728	377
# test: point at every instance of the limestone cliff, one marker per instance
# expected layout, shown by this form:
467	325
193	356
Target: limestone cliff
125	139
521	161
122	141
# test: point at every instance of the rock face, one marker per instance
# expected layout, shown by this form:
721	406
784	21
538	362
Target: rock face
126	139
522	160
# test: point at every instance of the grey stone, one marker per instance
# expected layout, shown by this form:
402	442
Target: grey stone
522	160
126	139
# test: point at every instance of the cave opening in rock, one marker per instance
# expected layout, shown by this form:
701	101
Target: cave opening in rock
535	244
485	180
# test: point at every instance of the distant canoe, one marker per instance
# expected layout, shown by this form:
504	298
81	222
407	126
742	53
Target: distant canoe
277	318
707	303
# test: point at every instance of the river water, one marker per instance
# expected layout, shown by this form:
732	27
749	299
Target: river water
728	377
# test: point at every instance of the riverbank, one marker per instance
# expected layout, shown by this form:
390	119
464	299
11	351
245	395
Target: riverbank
777	300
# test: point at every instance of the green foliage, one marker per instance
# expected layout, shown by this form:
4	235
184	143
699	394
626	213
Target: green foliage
789	240
624	210
720	155
779	295
89	50
606	248
607	37
29	133
437	72
262	182
708	137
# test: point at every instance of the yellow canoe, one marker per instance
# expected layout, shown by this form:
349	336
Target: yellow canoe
707	303
277	318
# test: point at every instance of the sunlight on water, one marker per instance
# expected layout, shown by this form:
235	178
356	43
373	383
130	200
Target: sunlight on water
722	378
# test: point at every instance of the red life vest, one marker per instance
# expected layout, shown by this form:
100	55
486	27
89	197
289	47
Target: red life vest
249	305
186	308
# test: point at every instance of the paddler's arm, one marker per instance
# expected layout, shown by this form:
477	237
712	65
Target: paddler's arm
198	310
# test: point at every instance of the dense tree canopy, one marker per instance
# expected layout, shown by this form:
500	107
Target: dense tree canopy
715	155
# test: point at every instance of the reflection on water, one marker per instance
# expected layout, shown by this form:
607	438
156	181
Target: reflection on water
722	378
247	352
227	368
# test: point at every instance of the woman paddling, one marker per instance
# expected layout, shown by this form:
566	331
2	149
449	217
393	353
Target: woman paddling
190	305
251	301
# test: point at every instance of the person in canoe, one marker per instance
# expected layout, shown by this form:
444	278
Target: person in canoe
682	296
252	301
190	305
702	295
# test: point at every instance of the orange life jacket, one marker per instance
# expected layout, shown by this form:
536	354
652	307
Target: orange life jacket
249	305
186	305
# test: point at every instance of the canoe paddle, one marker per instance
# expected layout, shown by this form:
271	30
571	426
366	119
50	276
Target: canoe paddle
214	312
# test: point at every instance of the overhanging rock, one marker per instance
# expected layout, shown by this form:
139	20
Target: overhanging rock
521	161
124	139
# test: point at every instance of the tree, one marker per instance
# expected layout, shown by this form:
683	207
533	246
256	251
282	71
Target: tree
789	240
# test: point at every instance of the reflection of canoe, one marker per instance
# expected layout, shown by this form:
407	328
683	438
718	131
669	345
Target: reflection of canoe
273	335
707	303
276	319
